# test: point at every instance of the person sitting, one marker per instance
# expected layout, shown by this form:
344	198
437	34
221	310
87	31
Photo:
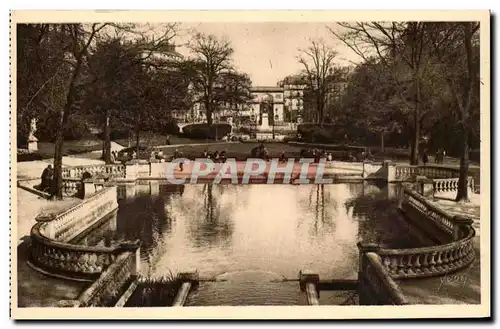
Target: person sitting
216	156
47	177
177	154
205	154
254	152
160	156
282	157
223	157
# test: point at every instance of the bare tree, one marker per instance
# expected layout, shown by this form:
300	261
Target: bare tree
393	44
317	60
213	59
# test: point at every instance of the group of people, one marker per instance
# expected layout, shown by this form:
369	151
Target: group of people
215	156
157	155
440	155
316	154
260	152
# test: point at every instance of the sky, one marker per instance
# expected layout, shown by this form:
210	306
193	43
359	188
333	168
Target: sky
268	51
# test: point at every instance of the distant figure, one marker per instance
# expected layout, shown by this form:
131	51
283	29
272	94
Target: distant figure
329	157
134	155
216	156
282	157
112	157
254	152
437	158
369	154
47	178
177	154
425	158
223	157
168	140
160	156
205	154
181	163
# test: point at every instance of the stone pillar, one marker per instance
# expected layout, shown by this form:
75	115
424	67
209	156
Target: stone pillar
363	249
154	187
459	222
425	186
308	276
88	188
390	169
131	170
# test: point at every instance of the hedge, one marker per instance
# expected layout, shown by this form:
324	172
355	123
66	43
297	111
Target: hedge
203	131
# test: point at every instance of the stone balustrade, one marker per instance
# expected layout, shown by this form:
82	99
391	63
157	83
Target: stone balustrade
438	172
71	187
405	172
113	282
456	251
67	260
71	222
443	185
429	261
51	248
96	170
375	285
420	209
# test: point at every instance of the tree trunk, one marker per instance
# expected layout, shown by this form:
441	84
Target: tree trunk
106	150
462	191
416	123
137	140
57	184
382	144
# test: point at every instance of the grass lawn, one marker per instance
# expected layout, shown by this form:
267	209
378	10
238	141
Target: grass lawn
46	149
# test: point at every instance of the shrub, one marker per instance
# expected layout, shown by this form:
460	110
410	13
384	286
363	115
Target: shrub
203	131
23	156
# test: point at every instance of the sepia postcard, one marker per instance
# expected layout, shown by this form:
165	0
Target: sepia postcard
250	164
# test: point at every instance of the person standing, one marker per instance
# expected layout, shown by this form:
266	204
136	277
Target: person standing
425	157
168	140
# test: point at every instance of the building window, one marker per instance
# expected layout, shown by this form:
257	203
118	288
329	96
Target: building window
277	96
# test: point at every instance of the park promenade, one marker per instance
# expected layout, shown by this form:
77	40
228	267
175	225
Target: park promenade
462	286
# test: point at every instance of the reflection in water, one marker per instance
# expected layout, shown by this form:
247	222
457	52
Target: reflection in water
277	229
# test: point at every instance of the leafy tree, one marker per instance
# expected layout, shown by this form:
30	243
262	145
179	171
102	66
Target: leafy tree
456	46
400	47
42	73
115	61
